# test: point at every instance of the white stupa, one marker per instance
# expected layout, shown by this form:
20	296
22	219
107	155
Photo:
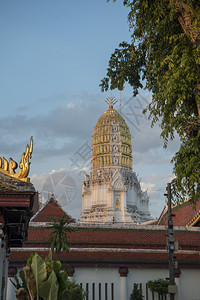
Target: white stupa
111	193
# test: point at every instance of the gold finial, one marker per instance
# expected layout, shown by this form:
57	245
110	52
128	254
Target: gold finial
10	167
111	101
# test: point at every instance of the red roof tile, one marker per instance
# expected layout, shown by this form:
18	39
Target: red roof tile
114	246
184	213
123	238
51	209
112	257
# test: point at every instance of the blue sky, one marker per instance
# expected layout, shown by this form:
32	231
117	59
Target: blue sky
53	56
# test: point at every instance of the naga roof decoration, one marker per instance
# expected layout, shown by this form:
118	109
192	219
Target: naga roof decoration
9	167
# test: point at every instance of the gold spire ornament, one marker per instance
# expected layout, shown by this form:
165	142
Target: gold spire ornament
111	141
111	101
9	168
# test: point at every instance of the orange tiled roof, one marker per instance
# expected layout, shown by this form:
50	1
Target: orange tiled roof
116	237
115	246
132	257
51	209
186	214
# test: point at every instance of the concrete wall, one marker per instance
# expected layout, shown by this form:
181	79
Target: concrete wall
108	284
188	283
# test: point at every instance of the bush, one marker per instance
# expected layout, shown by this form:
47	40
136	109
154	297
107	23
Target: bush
159	286
45	279
137	292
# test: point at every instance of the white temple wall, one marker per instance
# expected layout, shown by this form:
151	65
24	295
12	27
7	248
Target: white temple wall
100	198
98	195
189	284
84	202
10	290
104	193
100	280
123	196
144	207
96	278
95	192
132	198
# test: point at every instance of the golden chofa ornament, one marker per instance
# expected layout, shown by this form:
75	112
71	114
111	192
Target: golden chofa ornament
9	167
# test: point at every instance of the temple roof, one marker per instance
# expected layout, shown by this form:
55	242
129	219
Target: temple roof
185	214
51	209
111	245
11	184
146	237
17	199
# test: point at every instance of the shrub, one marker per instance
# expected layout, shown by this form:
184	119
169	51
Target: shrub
137	292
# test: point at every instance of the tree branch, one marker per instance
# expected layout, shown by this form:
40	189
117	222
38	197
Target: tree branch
186	13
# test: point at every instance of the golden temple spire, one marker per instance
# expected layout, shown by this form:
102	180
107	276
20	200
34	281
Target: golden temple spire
111	101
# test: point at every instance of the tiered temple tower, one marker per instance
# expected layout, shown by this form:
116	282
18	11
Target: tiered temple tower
111	193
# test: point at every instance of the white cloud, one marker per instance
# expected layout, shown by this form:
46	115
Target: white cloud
149	187
61	131
65	185
71	105
160	177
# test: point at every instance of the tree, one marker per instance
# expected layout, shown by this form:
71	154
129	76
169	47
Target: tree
59	235
159	286
136	293
164	57
45	279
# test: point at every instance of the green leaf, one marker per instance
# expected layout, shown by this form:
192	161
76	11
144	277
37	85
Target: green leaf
57	266
59	236
48	289
29	261
39	270
62	281
49	257
30	282
164	56
16	284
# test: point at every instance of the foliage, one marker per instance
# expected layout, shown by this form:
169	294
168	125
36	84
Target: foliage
159	286
187	169
74	291
59	235
45	279
136	293
164	57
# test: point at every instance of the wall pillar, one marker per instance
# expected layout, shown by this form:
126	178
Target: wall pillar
123	271
70	272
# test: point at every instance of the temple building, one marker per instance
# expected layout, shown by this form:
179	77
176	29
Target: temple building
18	201
106	259
111	193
